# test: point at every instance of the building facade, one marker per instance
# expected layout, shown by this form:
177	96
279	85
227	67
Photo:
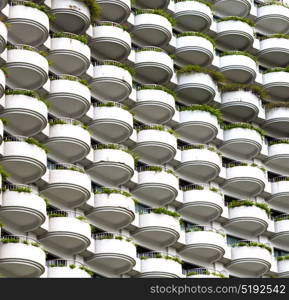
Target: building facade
144	138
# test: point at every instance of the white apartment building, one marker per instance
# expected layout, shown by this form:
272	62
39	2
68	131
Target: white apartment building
145	138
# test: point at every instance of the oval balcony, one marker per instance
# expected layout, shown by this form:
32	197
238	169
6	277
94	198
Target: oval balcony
68	139
110	41
155	104
71	16
68	185
116	11
155	144
21	257
248	217
278	155
240	8
67	231
24	159
234	34
21	208
274	51
114	253
28	25
153	65
113	209
249	259
153	4
198	123
113	164
204	243
156	186
196	85
242	140
25	111
111	81
68	96
276	83
281	236
152	28
277	119
244	179
201	203
60	268
242	103
195	49
244	71
199	162
160	265
272	18
280	192
3	36
204	273
69	54
27	68
112	122
158	226
2	83
283	266
193	15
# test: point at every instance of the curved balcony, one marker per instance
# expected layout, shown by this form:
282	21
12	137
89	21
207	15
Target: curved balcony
1	130
280	192
67	185
153	4
156	186
244	179
113	165
25	111
272	18
249	259
199	162
21	257
28	25
277	119
60	268
248	217
25	162
160	265
232	34
27	68
68	55
155	144
116	11
158	226
110	41
241	105
21	208
68	139
278	155
204	273
3	36
153	65
113	209
68	96
202	204
152	28
155	104
244	71
111	81
194	49
193	15
195	88
276	83
71	16
242	141
67	232
283	267
198	124
115	254
204	243
274	51
240	8
112	122
281	236
2	83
